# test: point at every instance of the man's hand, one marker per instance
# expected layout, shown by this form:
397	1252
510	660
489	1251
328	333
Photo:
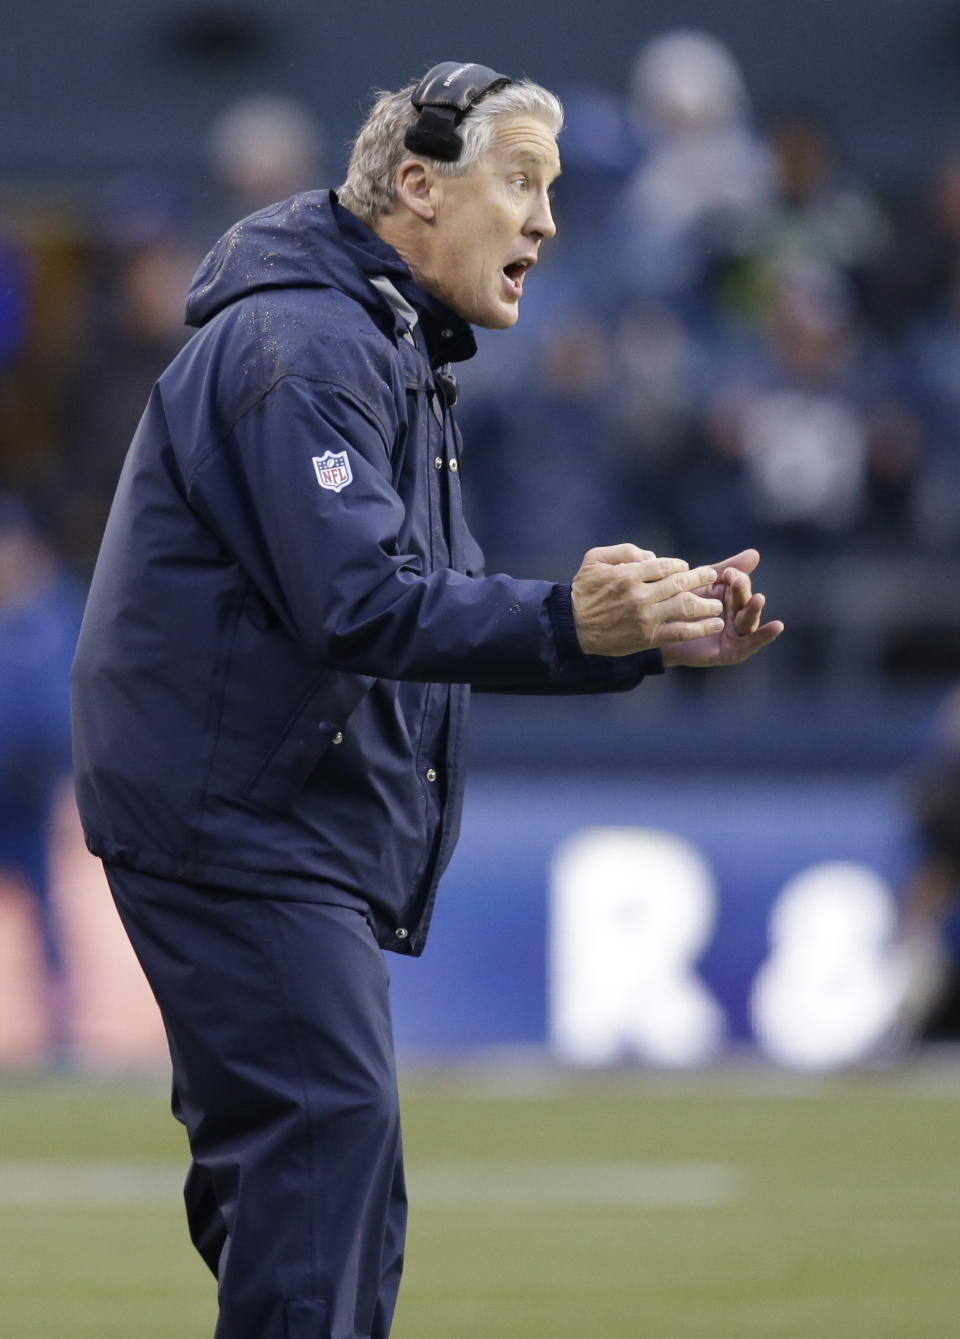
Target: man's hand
626	599
741	635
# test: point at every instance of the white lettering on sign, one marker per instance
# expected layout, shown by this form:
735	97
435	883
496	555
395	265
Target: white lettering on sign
632	910
830	990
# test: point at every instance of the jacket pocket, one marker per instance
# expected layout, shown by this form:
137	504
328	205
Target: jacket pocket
317	721
307	1318
306	736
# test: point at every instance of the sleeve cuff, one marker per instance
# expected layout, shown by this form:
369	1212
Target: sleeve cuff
560	608
650	662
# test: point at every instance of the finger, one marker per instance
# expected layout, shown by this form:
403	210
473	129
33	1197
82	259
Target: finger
737	589
756	641
679	581
656	569
747	620
615	554
687	632
689	607
745	561
764	635
732	576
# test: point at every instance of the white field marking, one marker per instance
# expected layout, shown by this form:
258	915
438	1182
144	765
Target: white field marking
618	1184
644	1185
101	1184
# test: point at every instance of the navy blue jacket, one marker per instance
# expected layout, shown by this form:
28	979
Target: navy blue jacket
271	682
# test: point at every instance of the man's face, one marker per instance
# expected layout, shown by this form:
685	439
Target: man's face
489	224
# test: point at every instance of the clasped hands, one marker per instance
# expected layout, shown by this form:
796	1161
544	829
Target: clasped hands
626	599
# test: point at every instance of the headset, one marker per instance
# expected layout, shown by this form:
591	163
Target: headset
443	97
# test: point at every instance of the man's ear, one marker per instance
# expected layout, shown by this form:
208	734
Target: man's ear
415	188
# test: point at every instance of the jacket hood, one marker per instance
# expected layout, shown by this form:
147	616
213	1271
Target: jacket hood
297	243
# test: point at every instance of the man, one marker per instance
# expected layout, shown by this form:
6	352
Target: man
270	686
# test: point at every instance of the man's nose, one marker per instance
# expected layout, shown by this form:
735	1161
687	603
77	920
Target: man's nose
541	223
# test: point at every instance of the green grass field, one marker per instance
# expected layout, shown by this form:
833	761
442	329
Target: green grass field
544	1206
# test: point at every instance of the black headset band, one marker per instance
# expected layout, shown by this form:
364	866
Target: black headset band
443	97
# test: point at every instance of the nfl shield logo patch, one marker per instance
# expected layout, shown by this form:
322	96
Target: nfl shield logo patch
333	470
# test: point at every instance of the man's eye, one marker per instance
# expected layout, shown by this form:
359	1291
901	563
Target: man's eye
521	182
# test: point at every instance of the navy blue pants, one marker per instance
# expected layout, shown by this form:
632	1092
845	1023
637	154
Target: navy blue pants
278	1020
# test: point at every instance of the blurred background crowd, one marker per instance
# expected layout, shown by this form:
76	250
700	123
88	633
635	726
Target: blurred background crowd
743	334
740	335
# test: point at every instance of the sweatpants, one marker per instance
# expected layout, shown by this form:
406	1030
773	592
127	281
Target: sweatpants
278	1020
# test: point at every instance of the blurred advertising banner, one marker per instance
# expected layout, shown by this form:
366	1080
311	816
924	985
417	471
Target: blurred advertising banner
608	917
617	918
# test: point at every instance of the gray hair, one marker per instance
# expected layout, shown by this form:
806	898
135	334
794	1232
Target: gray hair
378	150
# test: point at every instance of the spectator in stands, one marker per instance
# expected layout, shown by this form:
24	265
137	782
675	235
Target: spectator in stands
819	213
135	330
820	210
934	357
803	425
705	186
660	375
262	148
907	282
40	613
545	478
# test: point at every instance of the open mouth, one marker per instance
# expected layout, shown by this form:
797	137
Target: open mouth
514	273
